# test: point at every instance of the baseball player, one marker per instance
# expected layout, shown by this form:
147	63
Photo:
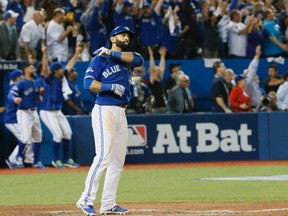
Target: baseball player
109	76
11	124
26	93
56	89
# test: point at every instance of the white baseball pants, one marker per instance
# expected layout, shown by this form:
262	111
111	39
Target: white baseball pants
110	131
15	129
57	124
30	126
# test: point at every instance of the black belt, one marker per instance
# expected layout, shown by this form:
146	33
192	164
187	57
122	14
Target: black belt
122	105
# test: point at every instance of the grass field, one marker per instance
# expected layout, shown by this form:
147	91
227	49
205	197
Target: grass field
150	185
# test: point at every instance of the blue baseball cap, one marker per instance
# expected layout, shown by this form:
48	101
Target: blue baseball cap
128	3
239	77
147	4
55	66
10	13
122	29
16	73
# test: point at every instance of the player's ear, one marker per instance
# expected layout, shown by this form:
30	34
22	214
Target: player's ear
113	39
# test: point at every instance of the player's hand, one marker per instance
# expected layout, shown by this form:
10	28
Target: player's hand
102	51
118	89
17	100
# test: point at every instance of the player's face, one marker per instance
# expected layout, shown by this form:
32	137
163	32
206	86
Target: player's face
59	73
123	41
32	71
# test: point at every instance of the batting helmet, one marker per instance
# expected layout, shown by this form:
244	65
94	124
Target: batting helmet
121	29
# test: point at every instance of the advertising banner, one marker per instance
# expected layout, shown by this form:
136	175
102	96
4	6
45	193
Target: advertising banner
190	137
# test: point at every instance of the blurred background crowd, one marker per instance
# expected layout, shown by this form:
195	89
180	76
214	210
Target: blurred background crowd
186	28
164	29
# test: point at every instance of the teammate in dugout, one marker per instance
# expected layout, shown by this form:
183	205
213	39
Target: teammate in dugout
10	120
109	76
56	91
26	93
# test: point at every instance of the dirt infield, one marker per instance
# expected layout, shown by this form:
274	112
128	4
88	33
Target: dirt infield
159	209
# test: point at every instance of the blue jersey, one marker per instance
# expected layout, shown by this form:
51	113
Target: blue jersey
76	97
149	29
11	109
40	80
97	32
53	95
110	71
27	90
124	19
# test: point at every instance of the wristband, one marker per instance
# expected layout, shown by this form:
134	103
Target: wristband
106	87
115	54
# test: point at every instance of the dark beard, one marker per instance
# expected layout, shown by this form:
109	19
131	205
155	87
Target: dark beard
122	45
33	75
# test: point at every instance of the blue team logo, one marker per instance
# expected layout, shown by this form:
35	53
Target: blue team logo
137	135
90	69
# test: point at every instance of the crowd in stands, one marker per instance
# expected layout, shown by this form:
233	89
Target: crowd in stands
186	28
45	33
164	29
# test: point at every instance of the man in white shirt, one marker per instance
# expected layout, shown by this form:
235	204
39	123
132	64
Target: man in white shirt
237	34
32	32
57	41
282	94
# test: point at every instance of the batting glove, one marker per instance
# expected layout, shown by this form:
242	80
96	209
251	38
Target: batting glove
118	89
102	51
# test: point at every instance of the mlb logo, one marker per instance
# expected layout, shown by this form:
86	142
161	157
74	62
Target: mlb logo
137	135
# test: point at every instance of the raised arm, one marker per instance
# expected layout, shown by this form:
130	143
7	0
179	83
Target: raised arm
70	65
151	57
162	63
157	8
253	66
45	67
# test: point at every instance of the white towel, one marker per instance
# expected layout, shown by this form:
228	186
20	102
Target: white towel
65	88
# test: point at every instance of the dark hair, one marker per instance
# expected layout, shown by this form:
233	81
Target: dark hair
24	67
233	13
274	67
266	13
216	65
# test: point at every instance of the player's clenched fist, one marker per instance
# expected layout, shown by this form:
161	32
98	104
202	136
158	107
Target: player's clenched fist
17	100
118	89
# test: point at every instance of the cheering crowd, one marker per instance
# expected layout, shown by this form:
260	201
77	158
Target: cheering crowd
47	32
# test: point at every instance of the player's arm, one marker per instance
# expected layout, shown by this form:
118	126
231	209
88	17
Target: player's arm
94	86
73	106
13	95
132	58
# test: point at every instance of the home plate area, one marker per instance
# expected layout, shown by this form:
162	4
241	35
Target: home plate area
161	209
